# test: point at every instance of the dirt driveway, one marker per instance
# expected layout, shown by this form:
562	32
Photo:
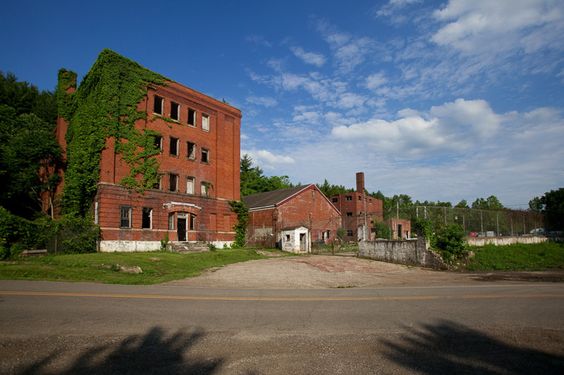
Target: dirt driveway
321	271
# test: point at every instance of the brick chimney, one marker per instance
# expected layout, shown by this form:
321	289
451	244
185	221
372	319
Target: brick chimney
360	182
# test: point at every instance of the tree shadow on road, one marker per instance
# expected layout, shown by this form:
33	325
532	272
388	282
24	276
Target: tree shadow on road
450	348
151	353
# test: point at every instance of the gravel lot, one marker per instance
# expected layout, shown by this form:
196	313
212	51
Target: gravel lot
320	271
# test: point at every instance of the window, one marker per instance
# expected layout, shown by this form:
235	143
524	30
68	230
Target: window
349	233
205	156
158	142
335	200
171	221
192	223
190	182
173	146
173	182
205	189
360	197
174	111
287	238
206	123
158	105
191	150
349	214
191	117
147	218
157	185
125	217
349	197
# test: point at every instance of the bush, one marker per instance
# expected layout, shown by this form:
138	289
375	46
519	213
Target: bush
383	231
75	235
450	242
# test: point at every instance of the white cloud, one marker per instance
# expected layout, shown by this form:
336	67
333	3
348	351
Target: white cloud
311	58
376	80
267	159
258	40
478	26
264	101
393	6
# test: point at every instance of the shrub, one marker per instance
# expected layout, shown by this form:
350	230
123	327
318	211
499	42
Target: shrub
382	231
450	241
76	235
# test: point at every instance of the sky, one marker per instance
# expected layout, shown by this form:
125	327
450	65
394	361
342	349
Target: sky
440	100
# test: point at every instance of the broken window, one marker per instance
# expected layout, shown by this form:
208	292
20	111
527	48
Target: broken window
205	155
158	105
171	221
287	238
349	233
206	123
158	142
173	146
349	214
190	181
191	117
191	150
192	223
335	200
174	111
147	218
173	182
125	217
349	197
157	185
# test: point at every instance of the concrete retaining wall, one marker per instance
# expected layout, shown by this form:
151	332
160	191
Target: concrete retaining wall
501	241
410	252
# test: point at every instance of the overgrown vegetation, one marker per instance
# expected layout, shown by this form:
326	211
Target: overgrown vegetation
254	181
242	212
530	257
105	106
157	267
448	240
551	204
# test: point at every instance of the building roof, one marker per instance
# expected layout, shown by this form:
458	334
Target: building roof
271	198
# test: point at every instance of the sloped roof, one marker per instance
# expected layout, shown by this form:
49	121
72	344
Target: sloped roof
271	198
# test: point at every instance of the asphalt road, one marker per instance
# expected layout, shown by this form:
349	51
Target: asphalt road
479	327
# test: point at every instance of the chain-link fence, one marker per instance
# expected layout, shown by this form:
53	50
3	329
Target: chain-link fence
477	222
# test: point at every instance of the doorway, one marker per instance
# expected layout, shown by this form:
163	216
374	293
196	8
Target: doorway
181	227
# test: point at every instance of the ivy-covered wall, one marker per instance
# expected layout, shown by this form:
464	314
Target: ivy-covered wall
104	106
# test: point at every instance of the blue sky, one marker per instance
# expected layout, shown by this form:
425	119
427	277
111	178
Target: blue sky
441	100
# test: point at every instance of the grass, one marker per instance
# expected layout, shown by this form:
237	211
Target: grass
518	257
157	267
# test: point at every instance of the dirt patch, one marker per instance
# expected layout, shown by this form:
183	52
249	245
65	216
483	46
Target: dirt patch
547	276
319	271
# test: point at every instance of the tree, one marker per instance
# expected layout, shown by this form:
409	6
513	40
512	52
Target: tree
551	204
462	204
490	203
329	189
253	181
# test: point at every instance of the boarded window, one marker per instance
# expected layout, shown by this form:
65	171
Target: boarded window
173	182
174	111
206	123
147	218
158	105
191	117
125	217
173	146
191	150
190	181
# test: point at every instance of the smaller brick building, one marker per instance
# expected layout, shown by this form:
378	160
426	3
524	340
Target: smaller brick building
275	215
359	211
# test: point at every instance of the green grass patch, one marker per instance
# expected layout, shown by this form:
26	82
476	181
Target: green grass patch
518	257
157	267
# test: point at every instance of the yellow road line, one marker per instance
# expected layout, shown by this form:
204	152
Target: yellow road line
275	299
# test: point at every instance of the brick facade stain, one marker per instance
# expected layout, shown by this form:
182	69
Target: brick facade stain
205	217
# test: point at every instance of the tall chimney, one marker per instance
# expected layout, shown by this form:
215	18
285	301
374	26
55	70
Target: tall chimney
360	182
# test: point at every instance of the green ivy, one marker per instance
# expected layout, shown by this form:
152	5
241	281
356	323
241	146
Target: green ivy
65	100
105	106
242	212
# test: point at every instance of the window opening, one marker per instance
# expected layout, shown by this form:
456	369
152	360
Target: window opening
158	142
190	185
174	111
173	146
191	150
173	182
125	217
206	123
191	117
205	156
158	105
147	218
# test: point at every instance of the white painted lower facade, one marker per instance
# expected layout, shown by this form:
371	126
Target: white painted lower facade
143	246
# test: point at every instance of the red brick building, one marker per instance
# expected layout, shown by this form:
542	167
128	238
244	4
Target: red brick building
275	216
359	211
199	141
